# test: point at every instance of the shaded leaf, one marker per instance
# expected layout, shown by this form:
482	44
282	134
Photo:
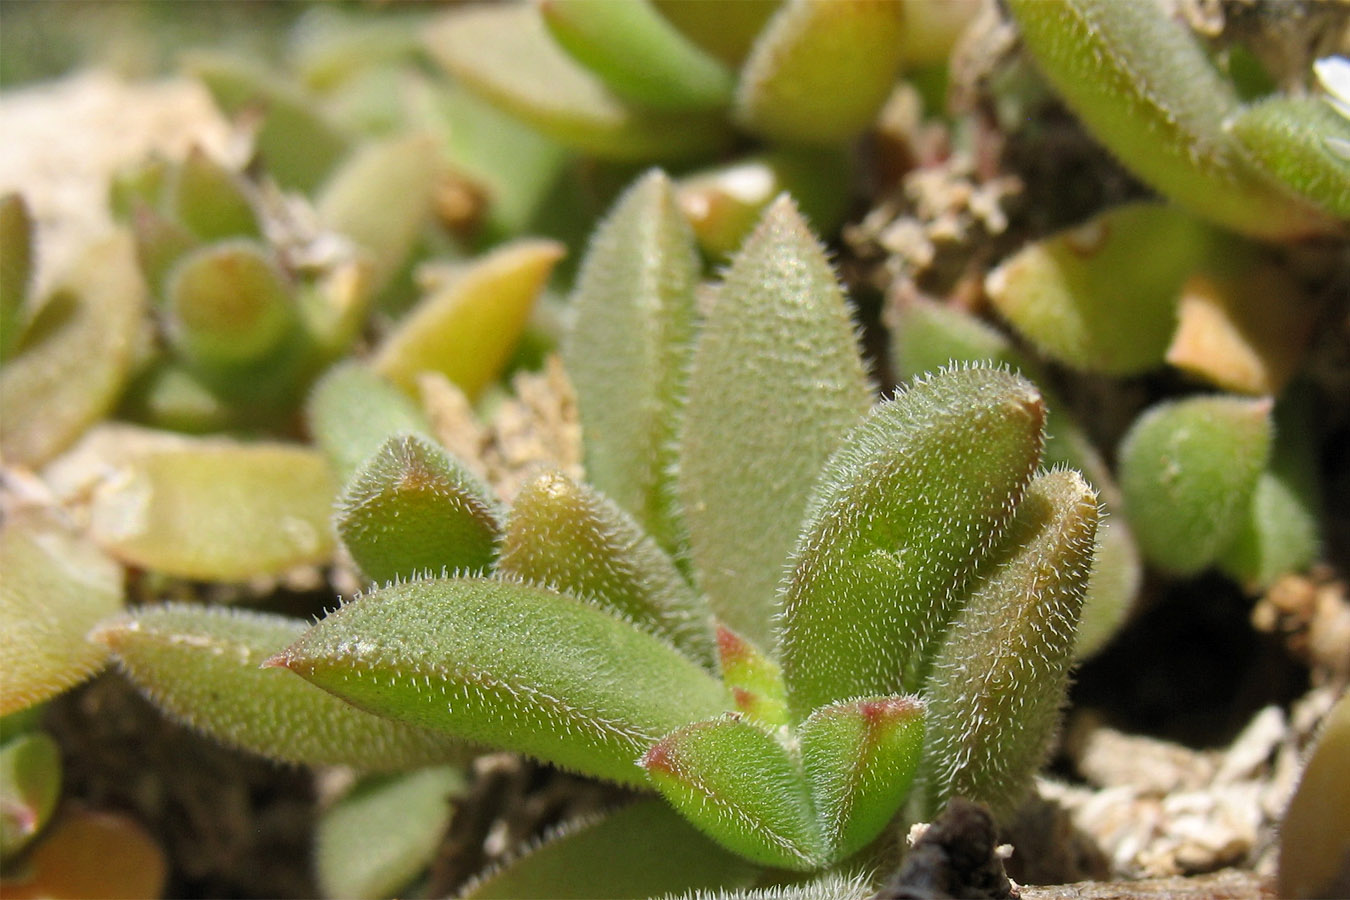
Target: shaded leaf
210	200
91	854
16	270
30	785
352	411
512	666
775	382
1315	833
755	680
726	30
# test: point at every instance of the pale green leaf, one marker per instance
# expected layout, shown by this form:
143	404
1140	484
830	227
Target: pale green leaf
352	411
30	785
211	200
755	680
726	30
1292	139
16	270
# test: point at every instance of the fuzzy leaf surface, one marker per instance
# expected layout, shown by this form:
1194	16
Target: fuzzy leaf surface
999	681
572	538
739	786
755	680
352	411
1291	138
860	759
1188	469
217	510
413	509
820	70
56	586
468	327
377	839
662	853
775	382
627	351
508	665
917	495
202	666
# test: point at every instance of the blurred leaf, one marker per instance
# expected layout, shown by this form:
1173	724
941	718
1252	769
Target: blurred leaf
411	509
1315	833
999	681
352	411
1292	138
91	854
505	54
775	382
820	70
160	243
918	493
75	356
167	394
202	665
726	30
56	586
573	539
30	784
16	270
511	666
374	841
217	510
212	201
466	329
932	28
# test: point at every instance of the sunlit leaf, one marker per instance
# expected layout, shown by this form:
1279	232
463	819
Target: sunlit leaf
1293	139
352	411
755	680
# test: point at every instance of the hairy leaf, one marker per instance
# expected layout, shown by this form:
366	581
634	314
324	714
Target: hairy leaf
1292	139
775	382
413	509
571	538
755	680
917	495
832	885
201	665
999	681
860	759
628	348
352	411
739	786
1188	469
56	586
508	665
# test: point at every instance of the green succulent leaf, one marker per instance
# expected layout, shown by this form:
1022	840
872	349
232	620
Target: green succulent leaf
830	885
466	328
1292	139
917	494
638	54
755	680
161	242
999	681
1313	842
412	509
378	838
575	540
30	785
142	183
628	347
299	146
860	759
1082	297
775	382
76	355
661	854
217	510
739	786
16	270
56	586
508	665
210	200
820	70
505	55
1144	87
202	665
1188	469
726	30
170	394
352	411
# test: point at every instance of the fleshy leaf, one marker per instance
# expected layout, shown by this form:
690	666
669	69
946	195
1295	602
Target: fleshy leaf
831	885
999	681
917	495
217	510
1292	138
860	759
1188	469
160	243
56	586
820	70
16	270
1315	832
90	854
1144	87
352	411
210	200
76	354
739	786
508	665
638	54
413	509
506	55
467	328
30	784
775	382
755	680
170	394
628	347
726	30
202	666
573	539
1082	297
373	842
661	854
